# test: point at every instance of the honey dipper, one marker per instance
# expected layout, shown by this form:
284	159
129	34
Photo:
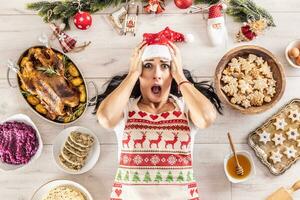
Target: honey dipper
238	168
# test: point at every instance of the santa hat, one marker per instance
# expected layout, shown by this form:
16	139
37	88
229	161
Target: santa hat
215	11
157	43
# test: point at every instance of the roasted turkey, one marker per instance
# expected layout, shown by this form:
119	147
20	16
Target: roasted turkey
55	92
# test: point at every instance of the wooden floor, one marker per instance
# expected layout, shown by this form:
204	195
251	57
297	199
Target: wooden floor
108	55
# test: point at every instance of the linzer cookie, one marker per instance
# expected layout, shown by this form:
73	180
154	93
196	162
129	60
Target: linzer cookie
276	142
75	151
65	192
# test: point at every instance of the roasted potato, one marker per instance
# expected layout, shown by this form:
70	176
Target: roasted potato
24	61
33	100
73	70
23	87
60	56
41	109
77	81
82	93
67	119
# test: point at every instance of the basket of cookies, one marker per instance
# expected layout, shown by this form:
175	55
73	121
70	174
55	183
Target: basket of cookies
277	141
250	79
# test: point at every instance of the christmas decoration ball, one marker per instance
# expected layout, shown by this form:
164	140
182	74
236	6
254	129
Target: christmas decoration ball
82	20
183	4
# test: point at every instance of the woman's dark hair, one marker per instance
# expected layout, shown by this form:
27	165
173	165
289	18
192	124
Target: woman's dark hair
205	87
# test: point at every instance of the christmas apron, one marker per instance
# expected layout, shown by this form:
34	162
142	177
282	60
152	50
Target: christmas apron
155	158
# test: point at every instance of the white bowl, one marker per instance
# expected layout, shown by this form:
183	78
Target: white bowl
23	118
44	189
93	155
295	43
252	173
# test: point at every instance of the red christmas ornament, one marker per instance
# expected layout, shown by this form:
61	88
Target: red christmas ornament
82	20
183	4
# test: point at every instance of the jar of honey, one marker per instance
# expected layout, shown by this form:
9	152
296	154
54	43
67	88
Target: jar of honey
246	162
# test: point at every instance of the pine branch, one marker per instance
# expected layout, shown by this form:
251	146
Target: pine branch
66	9
244	10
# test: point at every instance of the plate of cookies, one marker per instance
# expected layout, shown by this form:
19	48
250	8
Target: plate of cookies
277	141
62	189
250	79
76	150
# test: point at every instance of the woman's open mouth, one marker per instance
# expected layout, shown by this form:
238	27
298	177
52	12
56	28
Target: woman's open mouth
156	89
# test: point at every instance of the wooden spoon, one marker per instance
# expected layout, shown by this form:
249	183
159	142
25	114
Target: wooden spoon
238	168
285	194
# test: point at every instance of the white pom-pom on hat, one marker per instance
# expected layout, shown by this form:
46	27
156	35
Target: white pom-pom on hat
189	38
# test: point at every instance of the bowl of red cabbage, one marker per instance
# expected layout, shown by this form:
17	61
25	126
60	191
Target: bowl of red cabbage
20	142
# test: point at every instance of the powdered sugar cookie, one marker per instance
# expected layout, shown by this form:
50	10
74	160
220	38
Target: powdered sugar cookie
278	139
237	99
292	134
235	65
246	103
247	67
271	91
294	115
260	84
252	57
280	124
256	98
259	60
228	79
276	156
298	143
245	87
267	99
230	89
266	70
290	152
264	137
242	60
271	82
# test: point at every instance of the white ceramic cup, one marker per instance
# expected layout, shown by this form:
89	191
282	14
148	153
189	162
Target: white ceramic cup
252	172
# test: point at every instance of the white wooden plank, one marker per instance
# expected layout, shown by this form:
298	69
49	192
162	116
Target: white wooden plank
18	6
208	169
109	53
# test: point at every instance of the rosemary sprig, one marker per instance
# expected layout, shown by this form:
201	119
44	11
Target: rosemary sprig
48	70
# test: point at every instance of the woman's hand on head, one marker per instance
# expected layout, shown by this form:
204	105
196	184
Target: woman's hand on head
136	59
176	63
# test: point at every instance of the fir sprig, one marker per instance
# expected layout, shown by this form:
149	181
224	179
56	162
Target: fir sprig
245	10
64	10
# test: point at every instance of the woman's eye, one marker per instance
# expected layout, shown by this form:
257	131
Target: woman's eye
165	66
147	65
